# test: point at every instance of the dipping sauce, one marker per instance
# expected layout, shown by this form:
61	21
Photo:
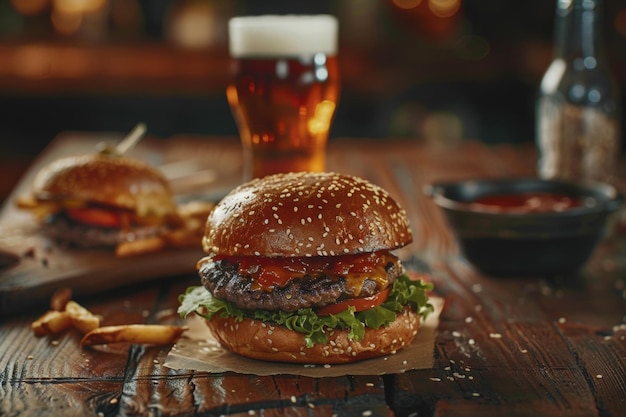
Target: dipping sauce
533	202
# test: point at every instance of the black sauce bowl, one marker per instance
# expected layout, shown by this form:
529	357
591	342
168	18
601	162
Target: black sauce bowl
528	243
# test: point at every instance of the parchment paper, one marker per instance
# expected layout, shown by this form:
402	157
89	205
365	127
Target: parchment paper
199	351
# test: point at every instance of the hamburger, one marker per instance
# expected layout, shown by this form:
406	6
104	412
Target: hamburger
299	268
101	199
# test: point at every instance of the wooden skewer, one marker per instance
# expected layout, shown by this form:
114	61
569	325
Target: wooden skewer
131	139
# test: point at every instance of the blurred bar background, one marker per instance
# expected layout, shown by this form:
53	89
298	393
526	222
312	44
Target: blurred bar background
441	70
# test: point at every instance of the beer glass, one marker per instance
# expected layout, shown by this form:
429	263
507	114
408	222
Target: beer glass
284	90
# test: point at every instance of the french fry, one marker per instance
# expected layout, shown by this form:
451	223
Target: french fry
26	202
150	334
40	209
193	217
60	298
195	209
82	319
137	247
182	238
51	322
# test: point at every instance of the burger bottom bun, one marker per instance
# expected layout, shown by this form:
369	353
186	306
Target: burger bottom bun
257	340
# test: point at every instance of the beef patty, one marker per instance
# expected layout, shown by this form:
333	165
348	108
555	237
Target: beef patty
223	280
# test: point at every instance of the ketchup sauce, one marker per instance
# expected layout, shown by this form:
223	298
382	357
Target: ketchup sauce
532	202
269	273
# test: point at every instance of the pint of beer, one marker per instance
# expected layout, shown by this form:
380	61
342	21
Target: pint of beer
284	90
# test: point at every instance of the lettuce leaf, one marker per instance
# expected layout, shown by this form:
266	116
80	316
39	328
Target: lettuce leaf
404	291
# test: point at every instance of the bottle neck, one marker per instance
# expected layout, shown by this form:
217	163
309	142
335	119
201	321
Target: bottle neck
578	29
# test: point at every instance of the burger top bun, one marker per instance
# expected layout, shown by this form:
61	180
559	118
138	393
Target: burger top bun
114	180
306	214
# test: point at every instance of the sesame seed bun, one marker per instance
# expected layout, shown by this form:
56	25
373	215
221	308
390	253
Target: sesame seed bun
257	340
300	215
306	214
117	181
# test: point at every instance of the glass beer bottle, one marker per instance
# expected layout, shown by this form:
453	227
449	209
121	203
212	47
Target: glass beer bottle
284	90
578	108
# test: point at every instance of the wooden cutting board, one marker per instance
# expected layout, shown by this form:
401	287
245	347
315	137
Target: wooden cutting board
33	267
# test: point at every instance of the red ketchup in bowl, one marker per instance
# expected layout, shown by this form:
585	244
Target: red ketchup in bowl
531	202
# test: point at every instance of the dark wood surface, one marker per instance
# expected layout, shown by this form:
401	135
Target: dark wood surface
514	347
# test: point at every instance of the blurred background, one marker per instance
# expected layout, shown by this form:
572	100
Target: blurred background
443	70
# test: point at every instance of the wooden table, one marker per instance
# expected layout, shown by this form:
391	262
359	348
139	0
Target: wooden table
514	347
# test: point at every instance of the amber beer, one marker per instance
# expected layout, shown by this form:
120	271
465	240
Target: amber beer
284	90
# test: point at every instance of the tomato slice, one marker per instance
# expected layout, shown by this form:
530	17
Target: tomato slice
359	304
96	216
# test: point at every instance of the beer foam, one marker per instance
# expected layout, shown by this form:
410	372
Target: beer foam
282	35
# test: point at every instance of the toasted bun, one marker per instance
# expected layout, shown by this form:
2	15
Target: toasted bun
306	214
256	340
114	180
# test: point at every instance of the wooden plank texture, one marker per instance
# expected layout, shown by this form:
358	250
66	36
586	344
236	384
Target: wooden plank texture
516	347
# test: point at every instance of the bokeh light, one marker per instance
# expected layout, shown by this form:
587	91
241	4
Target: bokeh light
620	22
66	23
407	4
444	8
78	6
30	7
